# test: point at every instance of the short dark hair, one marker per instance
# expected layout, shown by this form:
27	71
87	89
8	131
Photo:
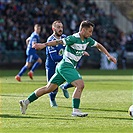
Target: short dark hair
37	25
56	21
85	24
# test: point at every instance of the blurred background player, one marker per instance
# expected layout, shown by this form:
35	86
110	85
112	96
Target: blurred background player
54	54
31	54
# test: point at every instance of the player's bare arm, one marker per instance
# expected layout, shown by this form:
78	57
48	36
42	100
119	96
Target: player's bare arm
43	45
27	40
102	49
86	53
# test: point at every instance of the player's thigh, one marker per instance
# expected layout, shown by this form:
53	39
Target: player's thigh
51	87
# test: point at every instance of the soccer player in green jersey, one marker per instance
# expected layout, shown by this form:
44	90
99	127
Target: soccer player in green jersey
65	70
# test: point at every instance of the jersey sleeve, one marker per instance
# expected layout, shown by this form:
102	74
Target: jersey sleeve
54	54
92	42
70	40
35	39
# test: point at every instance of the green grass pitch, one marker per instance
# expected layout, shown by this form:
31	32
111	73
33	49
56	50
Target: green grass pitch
106	97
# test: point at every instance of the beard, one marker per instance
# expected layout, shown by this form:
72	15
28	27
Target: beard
59	33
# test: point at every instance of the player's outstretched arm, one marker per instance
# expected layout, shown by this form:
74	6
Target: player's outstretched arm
103	49
40	46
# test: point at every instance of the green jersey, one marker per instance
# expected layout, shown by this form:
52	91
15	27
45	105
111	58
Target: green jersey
75	47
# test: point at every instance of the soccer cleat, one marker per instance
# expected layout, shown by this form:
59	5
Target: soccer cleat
79	114
53	103
23	106
17	77
30	74
65	92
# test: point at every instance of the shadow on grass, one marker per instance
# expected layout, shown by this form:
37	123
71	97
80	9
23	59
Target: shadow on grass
63	117
106	117
97	109
110	110
15	116
5	95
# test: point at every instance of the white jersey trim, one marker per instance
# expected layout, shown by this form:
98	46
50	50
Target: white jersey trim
95	44
72	56
52	51
79	46
64	42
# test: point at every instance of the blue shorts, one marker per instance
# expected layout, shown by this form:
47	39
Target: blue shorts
32	58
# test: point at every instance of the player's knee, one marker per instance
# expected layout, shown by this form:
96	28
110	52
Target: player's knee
40	61
81	86
28	65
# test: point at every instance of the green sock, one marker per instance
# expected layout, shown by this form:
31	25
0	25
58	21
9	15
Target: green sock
32	97
75	103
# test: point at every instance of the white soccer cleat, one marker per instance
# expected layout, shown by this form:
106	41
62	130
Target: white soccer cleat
79	114
23	106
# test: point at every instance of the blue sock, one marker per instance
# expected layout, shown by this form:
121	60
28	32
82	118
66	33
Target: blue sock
67	85
53	94
24	68
36	64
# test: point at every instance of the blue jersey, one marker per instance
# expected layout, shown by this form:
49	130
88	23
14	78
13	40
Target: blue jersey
54	54
31	52
33	38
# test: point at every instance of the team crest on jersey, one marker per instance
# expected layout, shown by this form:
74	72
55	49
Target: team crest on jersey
61	51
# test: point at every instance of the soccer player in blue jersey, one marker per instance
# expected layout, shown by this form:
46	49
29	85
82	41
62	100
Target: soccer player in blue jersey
76	44
54	54
31	54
